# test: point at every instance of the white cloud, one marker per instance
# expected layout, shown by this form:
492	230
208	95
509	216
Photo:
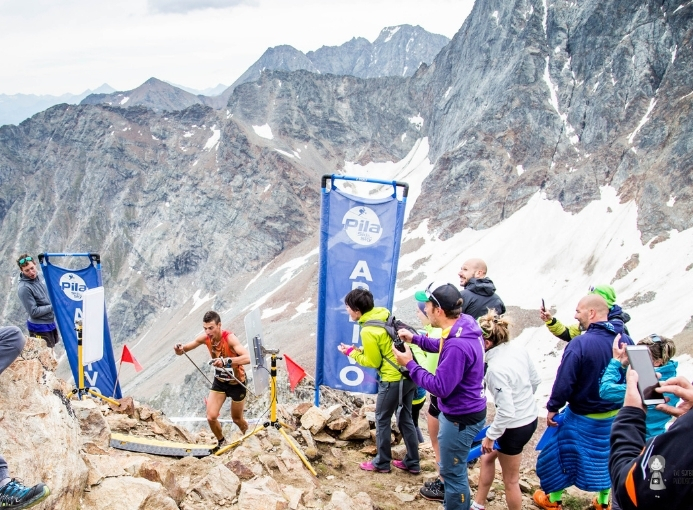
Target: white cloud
183	6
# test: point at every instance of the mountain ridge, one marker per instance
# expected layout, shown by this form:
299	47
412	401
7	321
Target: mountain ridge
198	202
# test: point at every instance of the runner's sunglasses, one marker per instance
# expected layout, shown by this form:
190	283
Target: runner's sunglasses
24	260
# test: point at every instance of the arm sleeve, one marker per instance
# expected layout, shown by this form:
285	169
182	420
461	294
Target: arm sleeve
426	343
534	378
370	356
627	442
500	386
450	370
609	387
559	330
29	302
566	379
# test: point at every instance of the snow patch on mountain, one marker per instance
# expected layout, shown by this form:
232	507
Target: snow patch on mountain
264	131
412	169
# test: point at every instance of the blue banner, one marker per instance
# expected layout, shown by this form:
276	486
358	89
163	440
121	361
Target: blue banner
65	288
359	247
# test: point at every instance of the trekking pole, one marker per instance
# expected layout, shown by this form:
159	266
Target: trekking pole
198	368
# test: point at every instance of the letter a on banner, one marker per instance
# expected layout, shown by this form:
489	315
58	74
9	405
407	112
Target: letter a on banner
359	248
66	288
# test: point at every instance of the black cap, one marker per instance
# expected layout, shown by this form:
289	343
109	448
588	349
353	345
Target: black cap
446	296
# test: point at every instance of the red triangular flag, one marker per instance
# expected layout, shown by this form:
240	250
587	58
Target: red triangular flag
127	357
296	373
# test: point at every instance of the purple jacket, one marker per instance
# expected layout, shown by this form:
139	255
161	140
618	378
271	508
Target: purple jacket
458	381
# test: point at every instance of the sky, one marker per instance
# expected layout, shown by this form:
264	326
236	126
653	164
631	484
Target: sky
69	46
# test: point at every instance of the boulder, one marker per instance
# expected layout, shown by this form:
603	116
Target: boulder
359	428
242	471
121	422
314	419
127	493
92	424
338	424
342	501
39	428
262	494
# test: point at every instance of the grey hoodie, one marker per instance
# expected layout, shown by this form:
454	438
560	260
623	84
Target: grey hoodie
34	296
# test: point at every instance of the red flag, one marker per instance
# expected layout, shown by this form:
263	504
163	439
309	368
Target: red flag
296	373
127	357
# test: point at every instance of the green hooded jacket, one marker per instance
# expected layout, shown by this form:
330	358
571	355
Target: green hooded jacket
376	343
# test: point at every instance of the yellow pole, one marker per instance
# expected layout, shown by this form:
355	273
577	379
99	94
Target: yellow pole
273	389
80	370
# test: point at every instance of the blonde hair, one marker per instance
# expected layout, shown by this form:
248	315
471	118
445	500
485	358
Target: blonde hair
660	347
494	327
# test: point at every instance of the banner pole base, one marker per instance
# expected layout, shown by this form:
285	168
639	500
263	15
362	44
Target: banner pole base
83	393
274	422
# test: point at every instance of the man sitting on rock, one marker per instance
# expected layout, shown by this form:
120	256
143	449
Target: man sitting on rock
578	454
227	351
14	494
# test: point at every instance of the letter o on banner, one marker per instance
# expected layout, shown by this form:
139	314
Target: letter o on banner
351	369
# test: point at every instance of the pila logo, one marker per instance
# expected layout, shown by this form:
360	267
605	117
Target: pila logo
73	286
362	225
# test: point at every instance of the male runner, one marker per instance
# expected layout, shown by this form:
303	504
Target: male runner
226	351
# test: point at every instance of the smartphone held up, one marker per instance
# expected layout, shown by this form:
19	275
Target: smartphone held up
641	361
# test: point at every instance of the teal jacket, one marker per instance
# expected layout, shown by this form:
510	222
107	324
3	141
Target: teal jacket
613	388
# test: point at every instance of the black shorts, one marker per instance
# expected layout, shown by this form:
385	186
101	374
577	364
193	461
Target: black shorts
235	391
433	406
513	441
51	337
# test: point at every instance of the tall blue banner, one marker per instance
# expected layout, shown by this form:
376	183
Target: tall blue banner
359	248
65	288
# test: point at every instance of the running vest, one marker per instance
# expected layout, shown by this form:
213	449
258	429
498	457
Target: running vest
226	351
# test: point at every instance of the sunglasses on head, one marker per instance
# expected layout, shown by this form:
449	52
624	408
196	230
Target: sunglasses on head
655	338
24	260
430	295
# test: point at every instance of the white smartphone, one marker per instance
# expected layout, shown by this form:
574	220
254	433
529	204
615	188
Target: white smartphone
640	360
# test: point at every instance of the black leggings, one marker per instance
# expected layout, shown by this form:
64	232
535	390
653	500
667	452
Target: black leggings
415	410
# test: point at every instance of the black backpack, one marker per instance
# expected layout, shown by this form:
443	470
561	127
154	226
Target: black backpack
392	325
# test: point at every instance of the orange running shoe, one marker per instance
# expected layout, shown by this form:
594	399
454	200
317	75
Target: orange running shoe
541	499
597	506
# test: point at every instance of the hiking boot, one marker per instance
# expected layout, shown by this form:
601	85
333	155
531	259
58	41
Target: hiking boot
437	481
401	465
597	506
368	466
541	499
16	495
220	444
435	491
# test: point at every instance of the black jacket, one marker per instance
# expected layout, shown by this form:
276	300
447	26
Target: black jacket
478	296
661	475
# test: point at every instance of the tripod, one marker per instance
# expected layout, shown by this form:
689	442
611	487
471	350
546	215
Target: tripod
273	421
81	391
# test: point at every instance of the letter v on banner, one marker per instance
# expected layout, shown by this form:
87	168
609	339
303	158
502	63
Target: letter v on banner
66	288
360	240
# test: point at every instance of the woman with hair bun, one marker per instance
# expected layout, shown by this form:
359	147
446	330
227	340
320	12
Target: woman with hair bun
512	380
